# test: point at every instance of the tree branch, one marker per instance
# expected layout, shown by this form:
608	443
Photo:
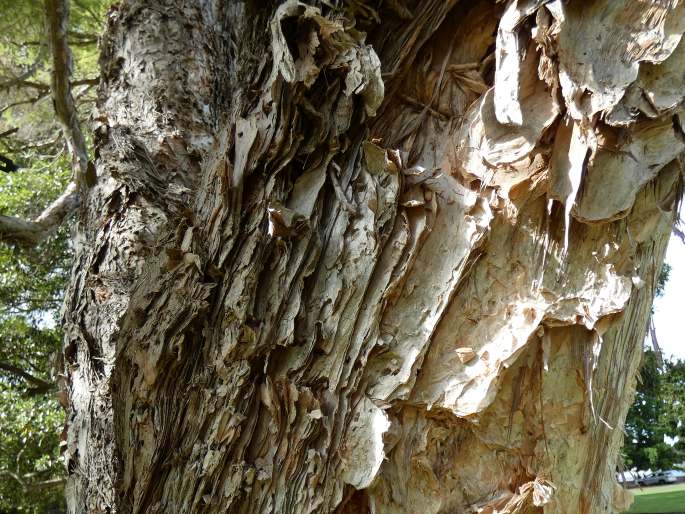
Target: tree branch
41	385
38	145
33	485
25	232
31	70
30	233
44	87
9	132
80	39
655	343
33	100
86	82
24	83
57	15
53	482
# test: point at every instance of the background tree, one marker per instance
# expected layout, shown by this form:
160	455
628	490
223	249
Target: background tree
33	277
657	413
32	284
655	424
655	421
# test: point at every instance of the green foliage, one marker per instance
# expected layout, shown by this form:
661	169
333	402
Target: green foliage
32	281
657	413
29	451
25	73
22	34
664	275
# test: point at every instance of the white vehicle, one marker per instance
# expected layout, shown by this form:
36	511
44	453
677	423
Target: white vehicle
660	477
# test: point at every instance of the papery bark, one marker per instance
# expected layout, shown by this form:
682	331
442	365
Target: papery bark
319	274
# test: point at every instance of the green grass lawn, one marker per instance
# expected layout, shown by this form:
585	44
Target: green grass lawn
659	499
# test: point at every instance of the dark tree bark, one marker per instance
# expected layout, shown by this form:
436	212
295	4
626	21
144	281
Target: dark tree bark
378	257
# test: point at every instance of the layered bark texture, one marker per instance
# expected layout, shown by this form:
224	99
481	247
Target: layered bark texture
385	257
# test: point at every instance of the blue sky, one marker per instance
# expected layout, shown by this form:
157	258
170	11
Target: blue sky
668	310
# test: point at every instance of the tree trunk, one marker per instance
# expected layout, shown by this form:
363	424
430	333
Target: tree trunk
392	258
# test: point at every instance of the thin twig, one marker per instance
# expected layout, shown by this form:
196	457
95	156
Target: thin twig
9	132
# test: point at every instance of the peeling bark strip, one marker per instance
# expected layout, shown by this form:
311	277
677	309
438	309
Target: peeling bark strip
330	266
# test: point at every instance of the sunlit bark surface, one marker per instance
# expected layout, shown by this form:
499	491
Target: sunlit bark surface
384	257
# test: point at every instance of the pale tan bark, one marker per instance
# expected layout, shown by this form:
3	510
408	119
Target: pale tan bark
329	266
